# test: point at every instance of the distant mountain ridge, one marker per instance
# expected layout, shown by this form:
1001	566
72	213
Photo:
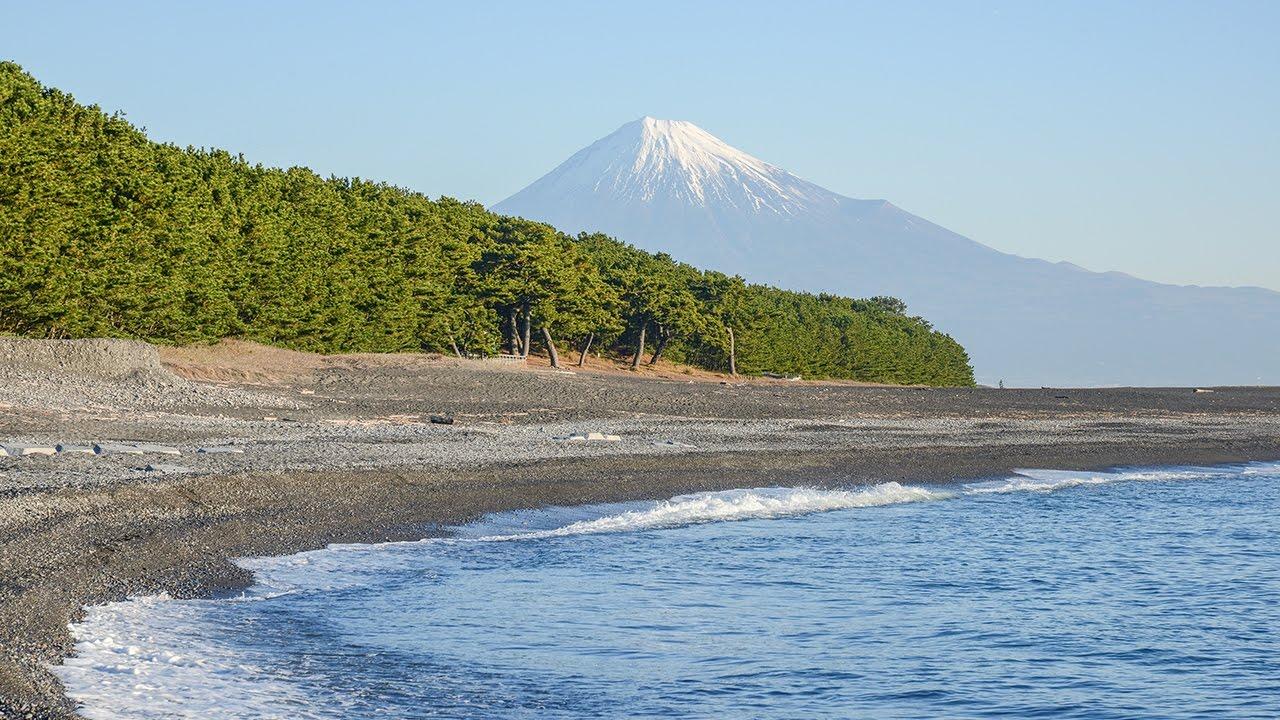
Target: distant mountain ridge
671	186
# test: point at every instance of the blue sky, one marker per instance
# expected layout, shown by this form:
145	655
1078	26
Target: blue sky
1133	136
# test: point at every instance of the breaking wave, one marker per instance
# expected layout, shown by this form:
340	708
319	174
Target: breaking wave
154	657
758	503
1048	480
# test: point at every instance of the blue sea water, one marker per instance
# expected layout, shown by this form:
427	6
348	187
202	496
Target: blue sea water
1135	593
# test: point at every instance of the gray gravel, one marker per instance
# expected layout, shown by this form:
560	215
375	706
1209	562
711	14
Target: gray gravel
89	392
343	450
276	446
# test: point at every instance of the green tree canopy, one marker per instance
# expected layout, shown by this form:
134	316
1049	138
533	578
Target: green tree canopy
106	233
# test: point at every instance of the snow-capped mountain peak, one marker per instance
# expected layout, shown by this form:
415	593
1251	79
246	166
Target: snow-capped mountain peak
670	186
652	161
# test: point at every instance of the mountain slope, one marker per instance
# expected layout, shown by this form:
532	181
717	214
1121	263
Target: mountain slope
671	186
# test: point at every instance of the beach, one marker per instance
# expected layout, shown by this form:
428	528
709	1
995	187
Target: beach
369	448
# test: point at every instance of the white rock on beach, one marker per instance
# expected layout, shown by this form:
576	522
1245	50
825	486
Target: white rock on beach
117	449
593	436
23	450
135	449
149	449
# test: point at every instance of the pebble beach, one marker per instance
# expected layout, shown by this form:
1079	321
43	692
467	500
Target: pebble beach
130	469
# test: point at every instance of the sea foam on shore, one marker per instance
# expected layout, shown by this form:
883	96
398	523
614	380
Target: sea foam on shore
369	630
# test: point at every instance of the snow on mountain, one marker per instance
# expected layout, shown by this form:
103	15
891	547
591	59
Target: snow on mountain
670	186
649	159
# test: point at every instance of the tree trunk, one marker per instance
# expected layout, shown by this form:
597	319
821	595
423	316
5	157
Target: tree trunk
582	358
454	343
513	335
524	333
657	351
733	355
551	347
635	361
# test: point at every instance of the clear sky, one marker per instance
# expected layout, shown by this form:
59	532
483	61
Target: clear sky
1133	136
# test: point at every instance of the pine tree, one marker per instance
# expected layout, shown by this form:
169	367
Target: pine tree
106	233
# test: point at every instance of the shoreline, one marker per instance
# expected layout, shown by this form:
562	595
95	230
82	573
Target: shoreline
343	449
212	521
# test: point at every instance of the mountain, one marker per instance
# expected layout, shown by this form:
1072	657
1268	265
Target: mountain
671	186
105	233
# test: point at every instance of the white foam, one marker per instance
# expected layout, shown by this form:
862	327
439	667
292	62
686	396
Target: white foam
152	657
1035	480
738	505
351	565
1262	468
158	658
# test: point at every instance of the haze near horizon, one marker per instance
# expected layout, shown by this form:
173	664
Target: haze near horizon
1136	138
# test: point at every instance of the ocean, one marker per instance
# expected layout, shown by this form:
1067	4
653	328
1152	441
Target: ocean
1133	593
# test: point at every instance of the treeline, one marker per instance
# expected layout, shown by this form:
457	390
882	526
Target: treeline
104	233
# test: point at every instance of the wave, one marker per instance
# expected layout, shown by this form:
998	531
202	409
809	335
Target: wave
1262	468
154	657
761	503
342	566
348	565
150	657
1037	480
728	505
